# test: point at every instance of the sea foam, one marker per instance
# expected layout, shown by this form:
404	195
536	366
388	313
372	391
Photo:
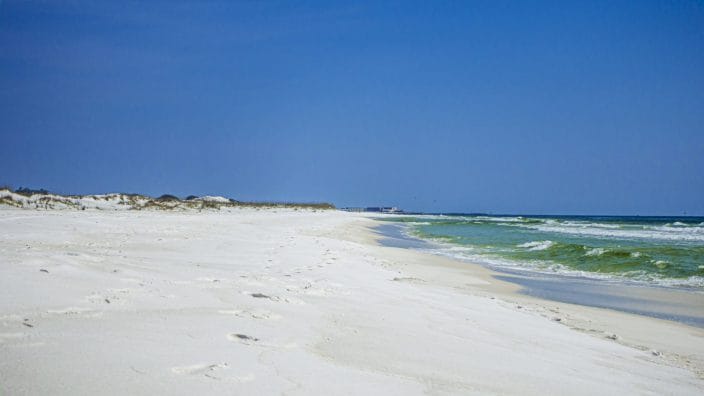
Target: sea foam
690	233
537	245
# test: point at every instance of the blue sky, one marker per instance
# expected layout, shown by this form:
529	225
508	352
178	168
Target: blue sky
502	107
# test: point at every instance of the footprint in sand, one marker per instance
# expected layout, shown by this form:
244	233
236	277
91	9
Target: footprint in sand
408	279
310	290
216	371
213	371
276	298
243	338
254	314
111	296
262	295
251	340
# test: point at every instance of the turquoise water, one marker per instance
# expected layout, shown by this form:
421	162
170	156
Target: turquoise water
667	251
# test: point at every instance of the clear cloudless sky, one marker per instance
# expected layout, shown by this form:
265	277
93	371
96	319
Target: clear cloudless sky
584	107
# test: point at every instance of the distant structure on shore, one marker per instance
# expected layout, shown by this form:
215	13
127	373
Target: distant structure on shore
375	209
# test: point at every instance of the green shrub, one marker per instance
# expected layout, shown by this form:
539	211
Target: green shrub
168	198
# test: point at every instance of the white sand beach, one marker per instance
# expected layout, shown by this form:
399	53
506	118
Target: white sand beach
253	302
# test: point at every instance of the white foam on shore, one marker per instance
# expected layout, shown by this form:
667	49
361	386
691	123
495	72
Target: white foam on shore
475	255
595	252
537	245
692	233
676	231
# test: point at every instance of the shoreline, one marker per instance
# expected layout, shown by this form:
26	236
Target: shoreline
680	343
297	302
669	303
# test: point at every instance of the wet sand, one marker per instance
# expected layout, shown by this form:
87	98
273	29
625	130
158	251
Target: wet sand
676	304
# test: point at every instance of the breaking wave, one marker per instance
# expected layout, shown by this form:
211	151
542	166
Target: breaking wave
661	251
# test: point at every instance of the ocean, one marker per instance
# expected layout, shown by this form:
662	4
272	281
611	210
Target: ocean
659	251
